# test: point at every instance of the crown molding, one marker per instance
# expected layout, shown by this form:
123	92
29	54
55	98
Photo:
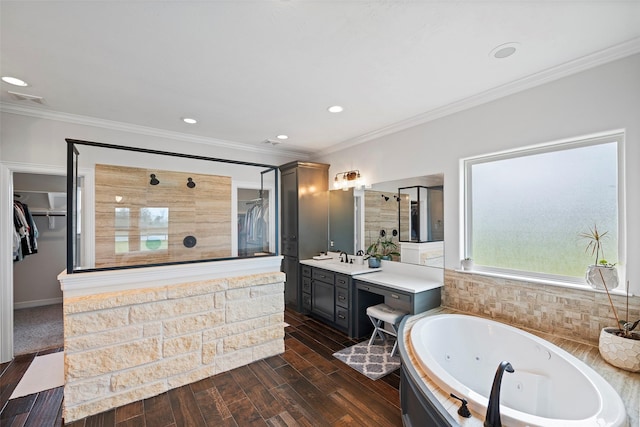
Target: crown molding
584	63
40	113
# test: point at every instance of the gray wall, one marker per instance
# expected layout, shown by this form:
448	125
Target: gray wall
600	99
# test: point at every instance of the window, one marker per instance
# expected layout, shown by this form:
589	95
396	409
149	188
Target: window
525	209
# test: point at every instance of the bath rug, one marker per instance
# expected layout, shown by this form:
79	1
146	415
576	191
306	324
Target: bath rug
373	361
44	373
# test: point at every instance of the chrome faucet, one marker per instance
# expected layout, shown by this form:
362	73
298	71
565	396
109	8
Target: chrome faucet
346	257
492	418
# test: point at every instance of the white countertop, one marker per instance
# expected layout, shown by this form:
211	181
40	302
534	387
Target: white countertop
335	265
394	275
401	282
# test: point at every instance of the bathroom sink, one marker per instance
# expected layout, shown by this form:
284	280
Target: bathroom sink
335	265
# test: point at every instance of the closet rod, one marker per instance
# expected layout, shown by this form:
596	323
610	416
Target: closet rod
47	214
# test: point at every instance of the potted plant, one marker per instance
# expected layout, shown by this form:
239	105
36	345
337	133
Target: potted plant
619	345
601	270
467	264
383	248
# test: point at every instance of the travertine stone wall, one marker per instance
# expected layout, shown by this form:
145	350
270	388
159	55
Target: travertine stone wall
570	313
203	212
125	346
381	214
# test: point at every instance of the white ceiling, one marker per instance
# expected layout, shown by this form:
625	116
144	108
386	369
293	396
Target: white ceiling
249	70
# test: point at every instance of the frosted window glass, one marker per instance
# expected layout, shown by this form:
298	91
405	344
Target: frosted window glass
527	211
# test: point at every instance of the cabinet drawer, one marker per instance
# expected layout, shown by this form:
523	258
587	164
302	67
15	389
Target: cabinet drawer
306	284
323	275
342	297
390	293
306	301
306	270
342	317
342	280
399	296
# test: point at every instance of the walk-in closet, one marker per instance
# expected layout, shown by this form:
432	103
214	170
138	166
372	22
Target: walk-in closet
39	256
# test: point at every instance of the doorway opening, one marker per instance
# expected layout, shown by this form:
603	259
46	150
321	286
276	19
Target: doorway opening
39	255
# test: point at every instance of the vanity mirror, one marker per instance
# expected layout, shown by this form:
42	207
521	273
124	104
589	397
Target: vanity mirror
410	212
358	218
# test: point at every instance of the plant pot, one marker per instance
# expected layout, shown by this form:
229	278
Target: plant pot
386	257
467	264
621	352
594	279
374	262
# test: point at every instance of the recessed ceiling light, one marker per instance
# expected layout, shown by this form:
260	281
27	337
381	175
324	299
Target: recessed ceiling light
282	136
504	50
189	120
335	109
14	81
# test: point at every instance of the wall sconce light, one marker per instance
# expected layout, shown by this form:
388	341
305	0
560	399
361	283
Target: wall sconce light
396	197
348	179
386	198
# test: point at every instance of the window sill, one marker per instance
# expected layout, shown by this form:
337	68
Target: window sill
542	281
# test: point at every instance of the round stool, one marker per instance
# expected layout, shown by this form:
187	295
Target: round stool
381	313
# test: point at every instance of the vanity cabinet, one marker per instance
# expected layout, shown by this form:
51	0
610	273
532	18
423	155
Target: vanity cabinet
305	217
326	296
367	294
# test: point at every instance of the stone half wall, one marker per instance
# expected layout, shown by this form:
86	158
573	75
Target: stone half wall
121	347
575	314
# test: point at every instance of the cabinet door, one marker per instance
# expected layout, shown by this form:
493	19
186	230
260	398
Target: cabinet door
322	299
289	213
290	268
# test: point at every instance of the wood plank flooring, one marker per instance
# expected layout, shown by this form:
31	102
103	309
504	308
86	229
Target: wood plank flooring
305	386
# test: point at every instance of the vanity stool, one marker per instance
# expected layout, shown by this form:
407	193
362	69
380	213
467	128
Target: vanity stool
381	313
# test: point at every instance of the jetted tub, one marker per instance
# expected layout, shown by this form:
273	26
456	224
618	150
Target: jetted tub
549	387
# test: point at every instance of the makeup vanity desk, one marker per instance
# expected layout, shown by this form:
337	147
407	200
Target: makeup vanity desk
412	288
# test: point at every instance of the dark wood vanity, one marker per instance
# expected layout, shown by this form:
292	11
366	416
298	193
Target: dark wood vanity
340	298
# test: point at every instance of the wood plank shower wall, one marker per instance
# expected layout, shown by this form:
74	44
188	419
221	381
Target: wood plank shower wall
203	211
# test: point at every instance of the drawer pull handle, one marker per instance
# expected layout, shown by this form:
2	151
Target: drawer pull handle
342	282
341	316
394	296
341	297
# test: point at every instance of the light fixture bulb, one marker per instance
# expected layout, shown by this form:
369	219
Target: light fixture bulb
504	50
282	136
335	109
189	120
14	81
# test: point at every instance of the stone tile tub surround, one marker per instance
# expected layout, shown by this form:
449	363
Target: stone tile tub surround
124	346
575	314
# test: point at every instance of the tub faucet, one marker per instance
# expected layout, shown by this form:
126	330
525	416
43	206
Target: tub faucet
346	257
493	410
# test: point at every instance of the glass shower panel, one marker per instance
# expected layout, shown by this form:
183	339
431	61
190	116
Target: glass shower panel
156	207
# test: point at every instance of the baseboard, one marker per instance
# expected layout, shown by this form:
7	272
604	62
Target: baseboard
36	303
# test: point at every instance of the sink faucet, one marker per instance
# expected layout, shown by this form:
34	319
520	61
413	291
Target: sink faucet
346	257
492	418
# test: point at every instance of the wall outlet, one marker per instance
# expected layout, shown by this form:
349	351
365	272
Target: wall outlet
331	243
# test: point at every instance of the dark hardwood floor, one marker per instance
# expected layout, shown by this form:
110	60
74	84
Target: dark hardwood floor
305	386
